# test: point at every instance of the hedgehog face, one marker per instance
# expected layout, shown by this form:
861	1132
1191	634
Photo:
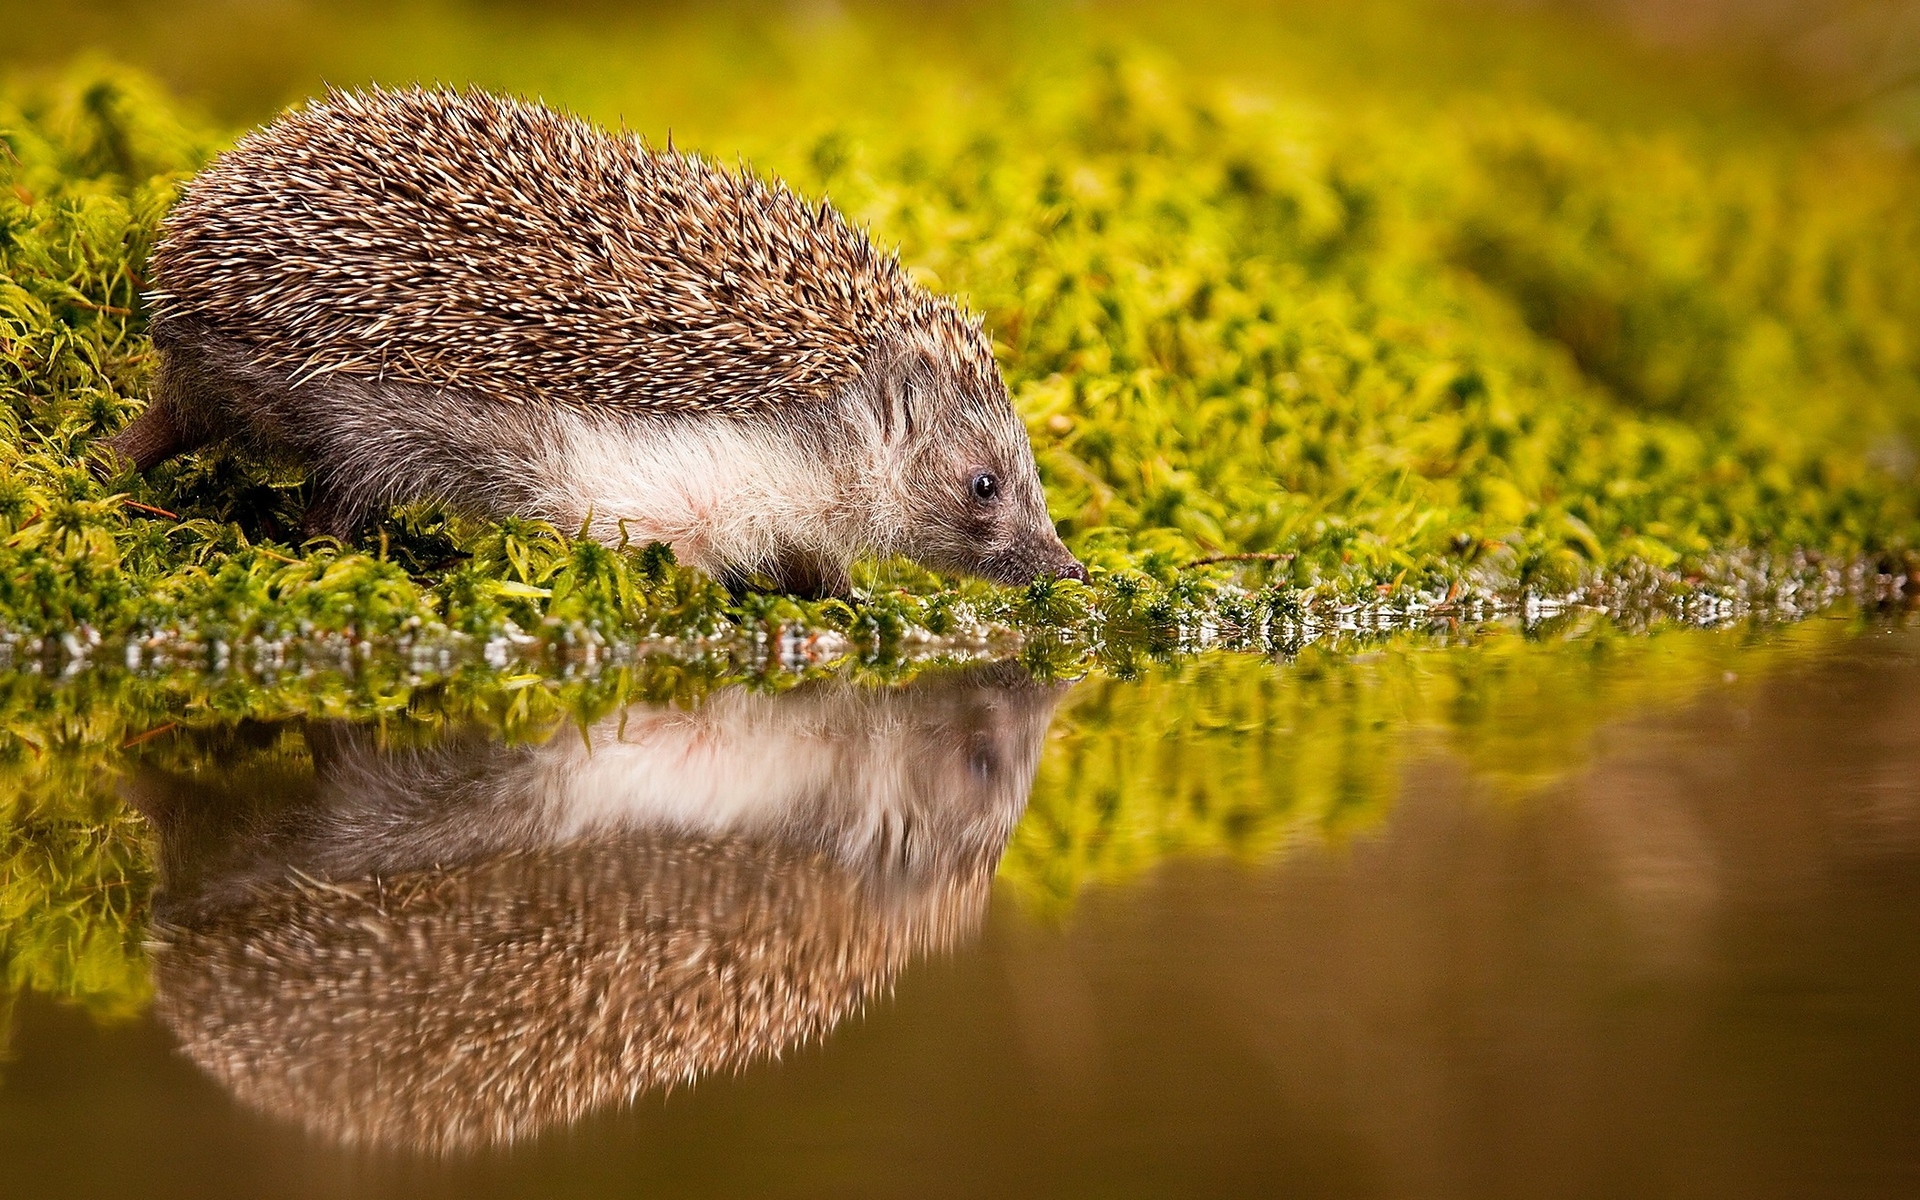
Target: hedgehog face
971	746
973	496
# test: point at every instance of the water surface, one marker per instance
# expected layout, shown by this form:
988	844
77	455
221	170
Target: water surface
1589	916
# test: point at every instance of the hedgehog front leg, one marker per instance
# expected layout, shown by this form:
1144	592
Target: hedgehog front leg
737	582
812	577
330	514
801	575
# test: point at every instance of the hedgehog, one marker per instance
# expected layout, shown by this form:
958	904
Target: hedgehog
452	296
454	946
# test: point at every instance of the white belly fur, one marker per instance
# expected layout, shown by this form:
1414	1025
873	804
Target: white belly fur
737	767
719	492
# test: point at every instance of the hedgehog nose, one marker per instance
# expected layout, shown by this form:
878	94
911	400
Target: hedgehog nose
1073	569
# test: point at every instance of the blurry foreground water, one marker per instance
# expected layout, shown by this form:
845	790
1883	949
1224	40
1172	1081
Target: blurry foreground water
1551	913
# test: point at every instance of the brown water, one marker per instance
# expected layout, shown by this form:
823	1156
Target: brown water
1685	961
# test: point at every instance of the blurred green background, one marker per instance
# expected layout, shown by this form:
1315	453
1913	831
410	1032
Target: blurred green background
704	67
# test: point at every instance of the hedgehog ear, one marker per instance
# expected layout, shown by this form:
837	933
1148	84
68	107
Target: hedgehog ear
901	389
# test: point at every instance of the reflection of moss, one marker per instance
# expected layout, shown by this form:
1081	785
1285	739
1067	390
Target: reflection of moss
70	886
1229	754
75	865
1236	755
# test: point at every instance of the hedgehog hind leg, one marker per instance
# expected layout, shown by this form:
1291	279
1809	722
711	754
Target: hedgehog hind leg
155	436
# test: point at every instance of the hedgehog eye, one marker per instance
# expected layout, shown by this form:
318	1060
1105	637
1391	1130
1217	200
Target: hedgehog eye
985	487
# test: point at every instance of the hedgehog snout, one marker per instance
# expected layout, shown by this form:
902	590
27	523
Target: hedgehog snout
1061	564
1043	556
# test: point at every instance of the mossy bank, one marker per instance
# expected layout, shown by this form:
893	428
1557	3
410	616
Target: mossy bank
1278	352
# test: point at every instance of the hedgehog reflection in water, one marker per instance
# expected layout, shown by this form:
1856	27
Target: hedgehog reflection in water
453	947
434	295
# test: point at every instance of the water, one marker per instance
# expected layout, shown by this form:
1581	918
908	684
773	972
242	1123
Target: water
1564	916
